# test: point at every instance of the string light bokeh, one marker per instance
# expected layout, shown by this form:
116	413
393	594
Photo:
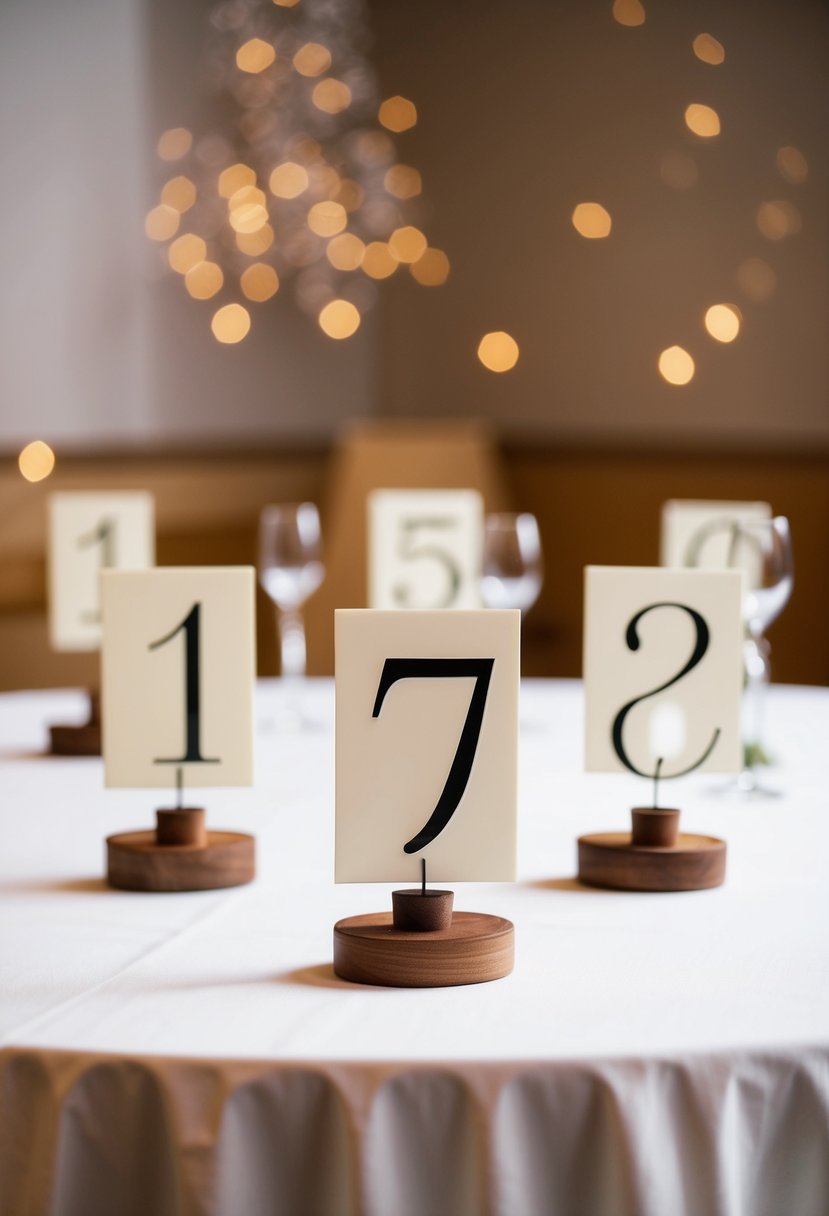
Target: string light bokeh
775	219
302	184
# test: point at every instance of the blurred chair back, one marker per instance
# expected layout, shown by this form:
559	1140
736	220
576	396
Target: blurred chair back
376	455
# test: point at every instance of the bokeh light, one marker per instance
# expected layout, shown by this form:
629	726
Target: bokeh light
345	252
288	180
327	218
255	55
247	210
36	461
254	244
230	324
203	280
628	12
402	181
339	319
407	244
186	252
234	178
162	222
777	220
397	114
708	49
676	365
432	269
723	322
756	280
378	262
792	164
179	193
286	3
702	120
591	220
498	351
174	143
331	96
312	59
259	282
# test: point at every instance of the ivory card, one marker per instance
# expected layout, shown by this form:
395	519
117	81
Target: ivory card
663	669
89	532
178	665
427	721
706	535
425	549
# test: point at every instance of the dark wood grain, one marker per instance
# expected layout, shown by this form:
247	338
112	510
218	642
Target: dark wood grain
475	948
610	859
136	862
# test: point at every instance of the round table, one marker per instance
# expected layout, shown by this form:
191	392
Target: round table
195	1053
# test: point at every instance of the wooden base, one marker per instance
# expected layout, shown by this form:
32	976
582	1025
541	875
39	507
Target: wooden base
75	740
474	949
79	740
610	859
137	862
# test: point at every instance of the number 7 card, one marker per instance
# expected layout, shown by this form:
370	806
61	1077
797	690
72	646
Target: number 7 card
178	666
427	732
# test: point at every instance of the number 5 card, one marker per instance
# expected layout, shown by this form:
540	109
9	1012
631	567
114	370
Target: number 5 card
425	549
663	669
427	740
178	666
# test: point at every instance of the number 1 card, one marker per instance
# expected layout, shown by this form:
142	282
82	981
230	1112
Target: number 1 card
427	740
663	669
177	670
89	532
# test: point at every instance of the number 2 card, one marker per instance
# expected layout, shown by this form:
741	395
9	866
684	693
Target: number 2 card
427	740
663	669
177	673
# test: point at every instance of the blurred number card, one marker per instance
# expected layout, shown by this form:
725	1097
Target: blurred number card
712	535
178	667
425	549
663	670
427	740
89	533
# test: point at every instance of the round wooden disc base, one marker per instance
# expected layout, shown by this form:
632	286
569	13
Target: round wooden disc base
75	740
608	859
475	948
136	862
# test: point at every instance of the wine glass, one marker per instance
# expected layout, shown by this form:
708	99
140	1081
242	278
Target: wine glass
290	569
512	567
767	592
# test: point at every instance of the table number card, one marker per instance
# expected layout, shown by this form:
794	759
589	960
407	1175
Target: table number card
663	670
89	532
706	535
178	668
425	549
427	729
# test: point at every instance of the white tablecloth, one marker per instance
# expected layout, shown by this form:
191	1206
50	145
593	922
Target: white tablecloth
195	1054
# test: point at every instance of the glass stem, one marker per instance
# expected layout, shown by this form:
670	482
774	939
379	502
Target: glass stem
758	672
291	644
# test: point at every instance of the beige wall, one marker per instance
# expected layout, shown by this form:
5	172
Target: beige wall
525	109
530	107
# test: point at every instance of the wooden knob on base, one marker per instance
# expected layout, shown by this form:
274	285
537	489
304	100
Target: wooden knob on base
654	827
422	911
181	826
